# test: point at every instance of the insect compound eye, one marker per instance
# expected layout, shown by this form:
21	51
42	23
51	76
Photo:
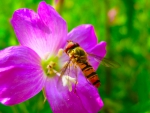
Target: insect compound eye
66	50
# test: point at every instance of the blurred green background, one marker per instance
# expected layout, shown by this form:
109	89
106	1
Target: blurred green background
124	25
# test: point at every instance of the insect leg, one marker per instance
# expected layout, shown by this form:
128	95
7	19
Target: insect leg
76	74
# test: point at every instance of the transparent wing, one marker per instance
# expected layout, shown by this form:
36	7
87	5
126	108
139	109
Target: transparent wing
65	68
105	61
70	70
109	63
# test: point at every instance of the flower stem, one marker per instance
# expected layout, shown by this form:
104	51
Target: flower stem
108	40
58	5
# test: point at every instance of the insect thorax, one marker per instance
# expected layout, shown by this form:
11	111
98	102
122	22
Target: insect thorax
78	54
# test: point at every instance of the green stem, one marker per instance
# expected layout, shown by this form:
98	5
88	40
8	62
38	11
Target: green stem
108	40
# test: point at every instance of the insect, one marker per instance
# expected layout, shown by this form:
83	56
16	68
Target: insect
79	57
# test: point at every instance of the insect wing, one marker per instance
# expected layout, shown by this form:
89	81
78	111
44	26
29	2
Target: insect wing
106	62
109	63
71	70
65	68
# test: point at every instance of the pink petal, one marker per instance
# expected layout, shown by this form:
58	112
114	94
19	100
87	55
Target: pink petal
85	100
21	76
84	35
44	32
99	51
89	95
55	23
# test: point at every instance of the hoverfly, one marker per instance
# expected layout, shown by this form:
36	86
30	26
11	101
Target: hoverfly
79	57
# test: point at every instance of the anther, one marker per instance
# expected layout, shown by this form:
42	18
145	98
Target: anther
50	67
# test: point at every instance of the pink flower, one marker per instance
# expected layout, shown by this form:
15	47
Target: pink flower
24	70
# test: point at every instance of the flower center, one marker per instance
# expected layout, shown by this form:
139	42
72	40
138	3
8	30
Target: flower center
51	64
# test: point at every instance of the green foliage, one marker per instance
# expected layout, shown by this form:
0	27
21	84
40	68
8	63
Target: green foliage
125	89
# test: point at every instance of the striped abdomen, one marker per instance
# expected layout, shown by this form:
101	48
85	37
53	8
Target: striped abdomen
89	73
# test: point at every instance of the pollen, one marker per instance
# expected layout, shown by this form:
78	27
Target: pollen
50	66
